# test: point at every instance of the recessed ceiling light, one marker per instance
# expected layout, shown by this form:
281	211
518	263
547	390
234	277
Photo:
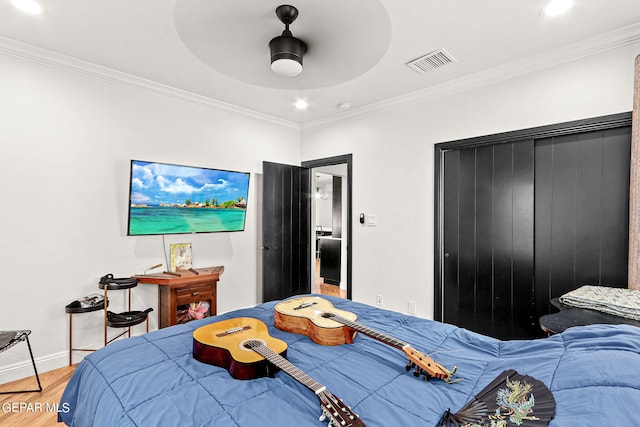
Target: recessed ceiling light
344	106
301	104
28	6
556	7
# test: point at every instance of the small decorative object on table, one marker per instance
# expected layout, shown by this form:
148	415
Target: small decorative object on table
91	302
181	257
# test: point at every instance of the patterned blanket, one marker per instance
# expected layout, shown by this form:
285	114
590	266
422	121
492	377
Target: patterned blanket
616	301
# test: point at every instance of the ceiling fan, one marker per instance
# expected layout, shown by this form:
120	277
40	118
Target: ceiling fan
286	50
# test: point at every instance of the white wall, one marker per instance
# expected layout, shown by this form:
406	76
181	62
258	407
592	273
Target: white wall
66	140
393	160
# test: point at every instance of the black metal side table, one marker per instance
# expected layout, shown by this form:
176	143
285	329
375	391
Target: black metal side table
77	307
125	319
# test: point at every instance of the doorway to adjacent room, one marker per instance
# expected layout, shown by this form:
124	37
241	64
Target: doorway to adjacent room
331	230
328	214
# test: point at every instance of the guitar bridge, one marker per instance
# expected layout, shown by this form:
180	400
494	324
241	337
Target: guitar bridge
233	331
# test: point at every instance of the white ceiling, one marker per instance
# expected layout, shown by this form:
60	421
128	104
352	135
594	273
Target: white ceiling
357	52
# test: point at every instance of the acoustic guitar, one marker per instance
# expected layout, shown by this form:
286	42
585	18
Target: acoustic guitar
318	319
244	347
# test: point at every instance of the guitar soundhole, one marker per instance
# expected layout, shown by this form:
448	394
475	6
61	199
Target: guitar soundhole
252	342
327	315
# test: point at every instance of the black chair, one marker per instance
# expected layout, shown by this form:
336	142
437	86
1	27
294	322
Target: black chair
10	338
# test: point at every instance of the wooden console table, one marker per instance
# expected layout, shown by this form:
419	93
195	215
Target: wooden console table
184	289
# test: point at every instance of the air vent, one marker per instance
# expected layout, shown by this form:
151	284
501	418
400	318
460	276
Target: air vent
431	61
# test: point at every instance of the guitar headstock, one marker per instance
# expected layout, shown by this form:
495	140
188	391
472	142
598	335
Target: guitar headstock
338	413
426	366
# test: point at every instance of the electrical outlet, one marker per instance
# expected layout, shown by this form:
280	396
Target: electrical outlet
372	220
412	307
379	300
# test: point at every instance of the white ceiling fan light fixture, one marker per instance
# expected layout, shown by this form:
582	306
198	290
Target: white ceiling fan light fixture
31	7
556	7
287	51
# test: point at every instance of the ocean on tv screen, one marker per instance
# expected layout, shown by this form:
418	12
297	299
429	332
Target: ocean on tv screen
174	220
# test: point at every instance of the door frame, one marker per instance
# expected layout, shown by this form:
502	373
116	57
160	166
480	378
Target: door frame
330	161
577	126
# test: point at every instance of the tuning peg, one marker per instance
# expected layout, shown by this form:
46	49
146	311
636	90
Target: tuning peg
322	417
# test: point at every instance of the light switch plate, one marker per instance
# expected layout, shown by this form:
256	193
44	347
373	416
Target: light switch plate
371	220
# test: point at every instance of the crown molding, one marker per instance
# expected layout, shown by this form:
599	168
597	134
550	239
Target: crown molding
27	52
615	39
605	42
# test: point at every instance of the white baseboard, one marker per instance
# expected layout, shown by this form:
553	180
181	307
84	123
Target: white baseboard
24	369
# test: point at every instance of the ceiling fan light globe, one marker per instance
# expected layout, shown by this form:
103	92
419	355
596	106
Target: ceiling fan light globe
286	67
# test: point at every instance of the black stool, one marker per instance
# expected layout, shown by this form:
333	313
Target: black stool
126	319
10	338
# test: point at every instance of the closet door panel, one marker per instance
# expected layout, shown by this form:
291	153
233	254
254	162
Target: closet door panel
525	321
582	199
615	207
502	238
484	238
451	288
542	229
588	209
563	219
466	239
488	197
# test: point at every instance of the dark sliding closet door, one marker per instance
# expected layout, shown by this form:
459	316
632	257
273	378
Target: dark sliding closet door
524	218
489	239
582	212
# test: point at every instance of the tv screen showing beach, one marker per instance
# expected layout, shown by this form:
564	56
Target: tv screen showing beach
175	199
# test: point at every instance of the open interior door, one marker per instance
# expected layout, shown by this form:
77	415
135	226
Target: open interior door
286	232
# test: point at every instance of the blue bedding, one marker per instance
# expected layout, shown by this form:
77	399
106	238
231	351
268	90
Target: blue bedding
153	380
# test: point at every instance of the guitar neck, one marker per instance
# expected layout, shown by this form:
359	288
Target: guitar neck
387	339
339	414
285	365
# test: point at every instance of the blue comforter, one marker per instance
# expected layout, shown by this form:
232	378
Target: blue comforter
153	380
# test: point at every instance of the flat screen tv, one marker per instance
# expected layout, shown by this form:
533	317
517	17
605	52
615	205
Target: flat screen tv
174	199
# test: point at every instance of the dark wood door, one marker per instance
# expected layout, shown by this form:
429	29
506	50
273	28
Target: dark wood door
582	212
488	239
286	232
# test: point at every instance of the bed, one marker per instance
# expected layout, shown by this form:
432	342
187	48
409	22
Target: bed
153	379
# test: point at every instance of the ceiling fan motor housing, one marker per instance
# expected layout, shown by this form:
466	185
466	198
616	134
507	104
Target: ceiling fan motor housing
287	47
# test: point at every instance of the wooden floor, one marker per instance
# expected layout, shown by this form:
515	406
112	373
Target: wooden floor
34	409
325	288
